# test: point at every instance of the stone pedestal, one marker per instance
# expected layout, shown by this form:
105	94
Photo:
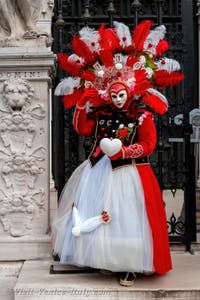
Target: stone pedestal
25	82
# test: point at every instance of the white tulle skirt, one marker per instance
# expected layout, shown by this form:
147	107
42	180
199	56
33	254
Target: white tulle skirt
123	244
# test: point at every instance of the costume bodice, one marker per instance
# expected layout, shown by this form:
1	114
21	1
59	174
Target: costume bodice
114	125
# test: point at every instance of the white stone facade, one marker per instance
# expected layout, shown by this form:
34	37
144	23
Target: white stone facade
26	68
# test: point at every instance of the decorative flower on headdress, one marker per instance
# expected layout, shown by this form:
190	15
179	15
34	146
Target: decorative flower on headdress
102	58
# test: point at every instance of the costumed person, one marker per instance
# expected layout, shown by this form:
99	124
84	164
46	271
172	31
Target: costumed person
111	214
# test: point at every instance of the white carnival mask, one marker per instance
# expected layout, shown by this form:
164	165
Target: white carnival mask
119	99
118	95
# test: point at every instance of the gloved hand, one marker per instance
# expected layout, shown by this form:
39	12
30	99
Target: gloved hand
89	94
116	156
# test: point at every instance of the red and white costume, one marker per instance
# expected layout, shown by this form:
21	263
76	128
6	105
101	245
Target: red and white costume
111	213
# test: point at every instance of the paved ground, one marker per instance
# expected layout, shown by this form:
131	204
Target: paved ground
9	272
183	282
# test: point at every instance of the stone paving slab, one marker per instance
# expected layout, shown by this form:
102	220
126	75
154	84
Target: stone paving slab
183	282
6	288
9	271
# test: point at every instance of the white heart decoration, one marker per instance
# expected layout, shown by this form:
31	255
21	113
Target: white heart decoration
110	147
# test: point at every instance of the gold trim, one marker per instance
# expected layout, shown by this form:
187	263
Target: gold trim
76	117
90	162
132	164
123	153
134	133
81	107
95	142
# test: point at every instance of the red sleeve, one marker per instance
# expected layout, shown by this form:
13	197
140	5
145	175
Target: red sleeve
146	139
82	124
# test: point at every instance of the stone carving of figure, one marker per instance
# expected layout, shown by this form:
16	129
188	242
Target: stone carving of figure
17	128
18	18
16	94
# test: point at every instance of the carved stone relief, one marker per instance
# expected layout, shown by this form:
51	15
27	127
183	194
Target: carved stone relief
21	160
19	20
17	211
17	125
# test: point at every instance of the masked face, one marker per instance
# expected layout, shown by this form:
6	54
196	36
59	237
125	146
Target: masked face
119	98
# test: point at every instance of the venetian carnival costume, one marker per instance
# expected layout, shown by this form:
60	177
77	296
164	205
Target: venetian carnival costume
111	213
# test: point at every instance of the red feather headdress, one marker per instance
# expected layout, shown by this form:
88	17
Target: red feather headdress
102	57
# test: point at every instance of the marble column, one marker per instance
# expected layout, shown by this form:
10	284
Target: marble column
26	69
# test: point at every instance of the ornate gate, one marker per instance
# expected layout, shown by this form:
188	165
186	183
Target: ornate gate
173	160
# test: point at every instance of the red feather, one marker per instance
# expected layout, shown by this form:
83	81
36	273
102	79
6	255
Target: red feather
126	49
82	50
142	83
165	78
140	34
88	75
108	39
141	87
162	47
71	100
71	67
109	43
101	29
131	60
155	103
106	57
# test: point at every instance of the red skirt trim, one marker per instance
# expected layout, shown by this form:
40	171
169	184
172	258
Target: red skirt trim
155	208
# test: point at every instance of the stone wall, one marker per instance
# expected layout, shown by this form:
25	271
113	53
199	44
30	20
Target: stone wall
26	69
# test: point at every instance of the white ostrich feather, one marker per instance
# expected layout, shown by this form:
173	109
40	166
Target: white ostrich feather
158	94
91	37
123	32
170	64
154	38
76	58
156	34
67	86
